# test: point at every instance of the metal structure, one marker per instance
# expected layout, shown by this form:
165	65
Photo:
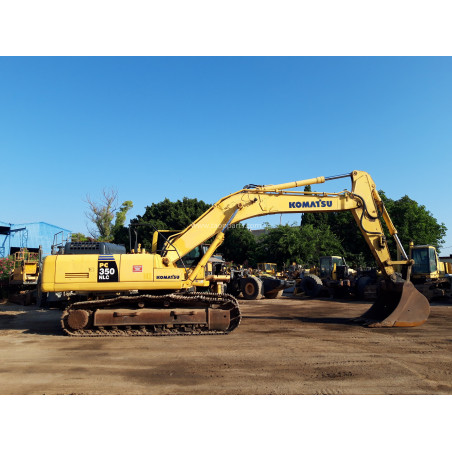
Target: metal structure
14	237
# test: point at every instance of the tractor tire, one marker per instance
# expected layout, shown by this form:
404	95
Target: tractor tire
273	294
252	288
311	285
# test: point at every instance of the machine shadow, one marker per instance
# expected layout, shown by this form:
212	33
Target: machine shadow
325	320
46	323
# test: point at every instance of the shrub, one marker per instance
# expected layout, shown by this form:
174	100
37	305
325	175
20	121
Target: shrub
6	267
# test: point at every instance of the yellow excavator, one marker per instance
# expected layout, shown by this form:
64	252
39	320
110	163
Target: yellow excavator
158	294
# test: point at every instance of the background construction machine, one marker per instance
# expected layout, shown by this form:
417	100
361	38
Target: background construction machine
23	280
429	275
232	280
158	294
332	276
26	268
266	268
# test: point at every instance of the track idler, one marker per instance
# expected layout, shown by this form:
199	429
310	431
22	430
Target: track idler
398	304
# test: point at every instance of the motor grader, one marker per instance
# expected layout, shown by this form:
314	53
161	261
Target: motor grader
159	294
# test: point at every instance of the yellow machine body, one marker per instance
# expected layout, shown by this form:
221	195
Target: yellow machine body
26	268
429	274
27	273
113	273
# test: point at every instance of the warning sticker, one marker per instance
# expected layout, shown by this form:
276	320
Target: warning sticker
138	268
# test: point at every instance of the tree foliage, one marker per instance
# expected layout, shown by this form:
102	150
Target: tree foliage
6	267
239	245
173	215
413	223
101	215
79	237
284	244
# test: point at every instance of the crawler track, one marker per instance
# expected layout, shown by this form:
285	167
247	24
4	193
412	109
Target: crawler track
176	300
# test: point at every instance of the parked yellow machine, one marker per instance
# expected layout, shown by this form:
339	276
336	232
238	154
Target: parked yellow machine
158	294
26	268
430	276
267	268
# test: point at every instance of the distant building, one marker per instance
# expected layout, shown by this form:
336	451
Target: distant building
446	258
13	237
259	232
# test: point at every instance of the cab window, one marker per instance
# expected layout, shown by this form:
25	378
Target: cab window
326	266
433	265
338	261
421	260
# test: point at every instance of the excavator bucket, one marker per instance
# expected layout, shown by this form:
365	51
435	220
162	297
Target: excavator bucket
399	304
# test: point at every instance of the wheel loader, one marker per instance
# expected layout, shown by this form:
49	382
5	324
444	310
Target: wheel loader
157	293
429	275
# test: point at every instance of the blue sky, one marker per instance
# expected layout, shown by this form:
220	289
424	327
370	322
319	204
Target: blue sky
203	127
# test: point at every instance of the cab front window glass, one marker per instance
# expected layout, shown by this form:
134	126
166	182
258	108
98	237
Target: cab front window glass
421	261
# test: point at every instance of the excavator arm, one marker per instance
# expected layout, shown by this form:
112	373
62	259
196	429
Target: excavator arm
367	209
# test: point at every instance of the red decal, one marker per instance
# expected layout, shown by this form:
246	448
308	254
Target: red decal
137	268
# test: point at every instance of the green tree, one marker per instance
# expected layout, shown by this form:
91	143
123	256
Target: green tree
284	244
316	219
173	215
413	223
239	245
102	213
78	237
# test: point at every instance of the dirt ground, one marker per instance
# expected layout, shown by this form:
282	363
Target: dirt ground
282	346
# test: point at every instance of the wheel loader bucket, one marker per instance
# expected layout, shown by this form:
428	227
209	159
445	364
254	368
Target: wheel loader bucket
399	304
